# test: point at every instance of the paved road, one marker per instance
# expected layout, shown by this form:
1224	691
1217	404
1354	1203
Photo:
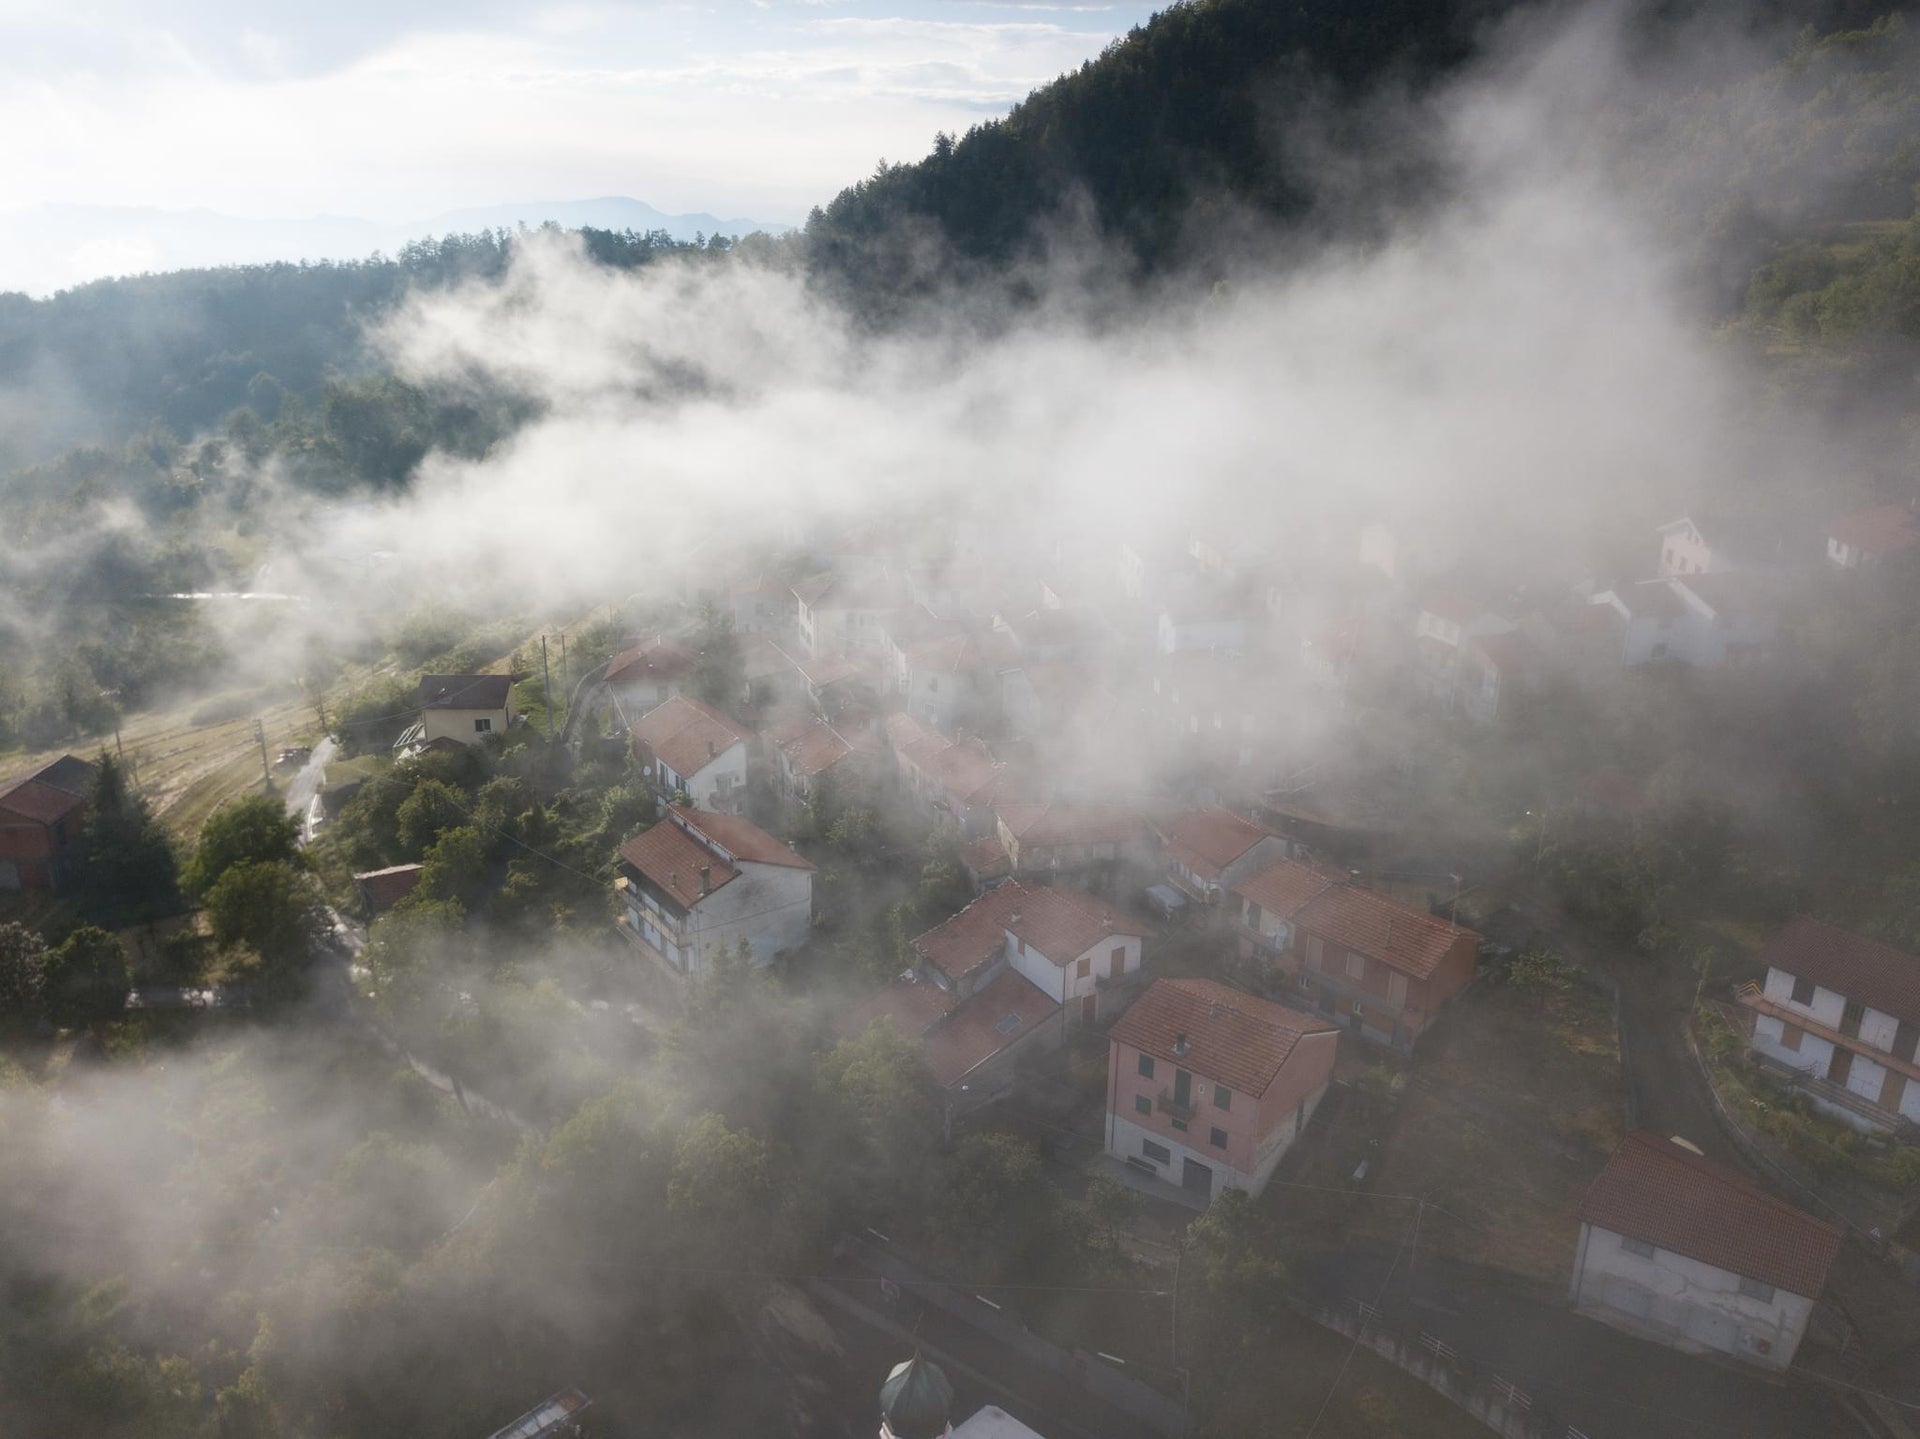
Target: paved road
1604	1383
306	784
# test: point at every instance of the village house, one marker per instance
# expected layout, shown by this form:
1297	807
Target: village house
838	613
1084	844
1690	1254
699	882
1866	539
1014	970
686	747
1447	622
1208	851
41	814
1207	1087
958	782
1207	618
1840	1016
650	674
952	681
1704	620
465	708
805	747
1373	965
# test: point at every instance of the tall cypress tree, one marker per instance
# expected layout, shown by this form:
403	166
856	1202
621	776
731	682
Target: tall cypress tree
127	870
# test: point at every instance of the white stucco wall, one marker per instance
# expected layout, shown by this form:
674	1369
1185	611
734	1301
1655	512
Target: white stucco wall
719	784
1683	1303
1063	983
770	906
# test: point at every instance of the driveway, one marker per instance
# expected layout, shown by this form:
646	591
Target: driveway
306	784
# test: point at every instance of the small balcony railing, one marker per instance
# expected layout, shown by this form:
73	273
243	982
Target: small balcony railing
1167	1104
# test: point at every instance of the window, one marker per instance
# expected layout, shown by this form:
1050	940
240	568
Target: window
1084	967
1396	988
1117	962
1157	1152
1181	1125
1356	965
1850	1018
1314	951
483	726
1790	1036
1803	991
1146	1066
1217	1138
1142	1105
1222	1097
1639	1248
1754	1289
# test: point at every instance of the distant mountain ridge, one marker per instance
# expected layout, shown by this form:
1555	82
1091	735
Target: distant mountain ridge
52	247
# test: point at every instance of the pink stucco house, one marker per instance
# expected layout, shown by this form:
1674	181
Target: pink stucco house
1207	1086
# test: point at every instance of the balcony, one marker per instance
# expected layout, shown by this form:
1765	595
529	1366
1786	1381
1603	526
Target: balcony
1167	1104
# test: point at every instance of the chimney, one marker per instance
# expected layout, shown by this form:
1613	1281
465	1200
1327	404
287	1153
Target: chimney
706	879
1180	1045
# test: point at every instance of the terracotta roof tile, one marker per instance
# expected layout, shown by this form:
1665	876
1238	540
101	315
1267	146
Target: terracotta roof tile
816	747
1285	887
739	837
1063	924
687	734
1003	1013
653	662
1875	974
1662	1194
986	859
672	859
1072	823
1883	530
1232	1038
1206	841
1400	937
46	795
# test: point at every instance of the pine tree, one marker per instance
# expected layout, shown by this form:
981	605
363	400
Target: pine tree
127	869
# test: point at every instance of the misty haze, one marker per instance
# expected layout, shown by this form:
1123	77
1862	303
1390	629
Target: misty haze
1235	754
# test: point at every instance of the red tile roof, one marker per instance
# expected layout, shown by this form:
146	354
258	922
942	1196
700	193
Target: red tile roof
1285	887
1072	823
47	795
1063	924
1206	841
654	662
910	1005
813	746
1232	1038
384	888
1003	1013
672	859
965	769
740	838
986	859
1400	937
1662	1194
1875	974
687	734
1883	530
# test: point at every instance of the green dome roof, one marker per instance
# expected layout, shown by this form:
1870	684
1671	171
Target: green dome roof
916	1400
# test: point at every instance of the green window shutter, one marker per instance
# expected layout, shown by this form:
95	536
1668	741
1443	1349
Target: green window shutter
1222	1097
1146	1066
1142	1105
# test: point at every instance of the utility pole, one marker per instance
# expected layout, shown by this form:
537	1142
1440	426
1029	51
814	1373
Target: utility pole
260	738
1173	1322
1413	1251
547	682
566	676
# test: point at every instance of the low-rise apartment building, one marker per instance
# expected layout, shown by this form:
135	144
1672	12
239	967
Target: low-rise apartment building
1207	1087
686	747
1840	1015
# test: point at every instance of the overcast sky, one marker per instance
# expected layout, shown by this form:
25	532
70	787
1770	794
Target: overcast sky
395	109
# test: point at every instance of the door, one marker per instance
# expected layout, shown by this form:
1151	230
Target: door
1892	1090
1196	1177
1842	1065
1183	1089
1089	1008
